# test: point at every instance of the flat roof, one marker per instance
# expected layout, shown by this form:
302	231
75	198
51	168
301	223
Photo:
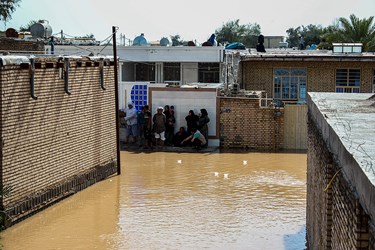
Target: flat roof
352	117
304	55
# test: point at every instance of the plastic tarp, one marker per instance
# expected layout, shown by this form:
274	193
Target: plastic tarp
235	45
13	60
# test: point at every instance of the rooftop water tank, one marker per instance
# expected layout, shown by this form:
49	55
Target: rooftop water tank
10	32
164	41
41	29
140	40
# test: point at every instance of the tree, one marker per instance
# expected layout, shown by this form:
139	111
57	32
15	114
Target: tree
343	30
28	25
293	36
7	7
176	40
355	30
88	36
233	31
311	33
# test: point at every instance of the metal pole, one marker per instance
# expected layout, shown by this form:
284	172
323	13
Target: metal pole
116	100
52	45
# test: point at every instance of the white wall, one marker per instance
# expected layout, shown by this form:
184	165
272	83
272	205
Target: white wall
189	73
185	100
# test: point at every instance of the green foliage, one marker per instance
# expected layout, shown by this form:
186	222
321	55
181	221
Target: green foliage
311	34
28	25
233	31
7	7
176	40
88	36
343	30
355	30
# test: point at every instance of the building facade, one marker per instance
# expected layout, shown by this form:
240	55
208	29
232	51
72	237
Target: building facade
288	76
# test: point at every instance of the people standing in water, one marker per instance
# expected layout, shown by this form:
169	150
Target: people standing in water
203	124
147	129
159	121
191	121
169	126
196	138
179	137
141	122
132	123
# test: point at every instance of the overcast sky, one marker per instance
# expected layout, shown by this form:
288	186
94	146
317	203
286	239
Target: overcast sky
192	20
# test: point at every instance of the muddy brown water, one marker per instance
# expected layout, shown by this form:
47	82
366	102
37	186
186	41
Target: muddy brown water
165	200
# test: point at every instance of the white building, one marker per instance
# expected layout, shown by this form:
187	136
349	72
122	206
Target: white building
187	77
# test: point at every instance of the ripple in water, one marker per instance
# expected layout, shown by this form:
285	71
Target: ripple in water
179	201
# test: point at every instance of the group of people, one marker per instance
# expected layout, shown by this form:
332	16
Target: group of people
158	130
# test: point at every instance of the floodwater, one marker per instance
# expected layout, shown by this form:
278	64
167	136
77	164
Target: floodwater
166	200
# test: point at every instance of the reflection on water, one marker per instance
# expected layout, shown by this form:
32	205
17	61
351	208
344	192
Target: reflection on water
179	201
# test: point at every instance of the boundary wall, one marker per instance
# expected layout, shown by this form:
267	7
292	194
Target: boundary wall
340	191
57	128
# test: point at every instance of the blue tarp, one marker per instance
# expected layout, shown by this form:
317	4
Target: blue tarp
235	45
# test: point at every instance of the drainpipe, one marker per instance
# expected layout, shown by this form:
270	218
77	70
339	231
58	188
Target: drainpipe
66	76
114	29
102	74
32	75
52	45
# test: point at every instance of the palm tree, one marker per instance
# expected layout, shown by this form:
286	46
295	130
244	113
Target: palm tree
7	7
355	30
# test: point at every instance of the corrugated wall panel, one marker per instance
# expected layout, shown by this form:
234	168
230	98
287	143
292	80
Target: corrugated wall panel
295	130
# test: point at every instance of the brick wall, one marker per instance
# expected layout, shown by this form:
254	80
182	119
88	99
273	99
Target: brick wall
57	144
243	124
335	217
258	75
19	45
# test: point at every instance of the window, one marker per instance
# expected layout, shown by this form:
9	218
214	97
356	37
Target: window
348	80
290	83
208	72
373	82
172	71
145	72
138	96
127	72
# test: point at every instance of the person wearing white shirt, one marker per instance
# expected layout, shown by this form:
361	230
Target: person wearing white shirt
131	122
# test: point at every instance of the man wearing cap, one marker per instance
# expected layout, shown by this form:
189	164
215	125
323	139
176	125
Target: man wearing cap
159	126
131	121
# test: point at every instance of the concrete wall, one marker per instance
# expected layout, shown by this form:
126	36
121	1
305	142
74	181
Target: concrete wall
244	124
340	194
185	99
57	144
258	74
151	53
272	41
